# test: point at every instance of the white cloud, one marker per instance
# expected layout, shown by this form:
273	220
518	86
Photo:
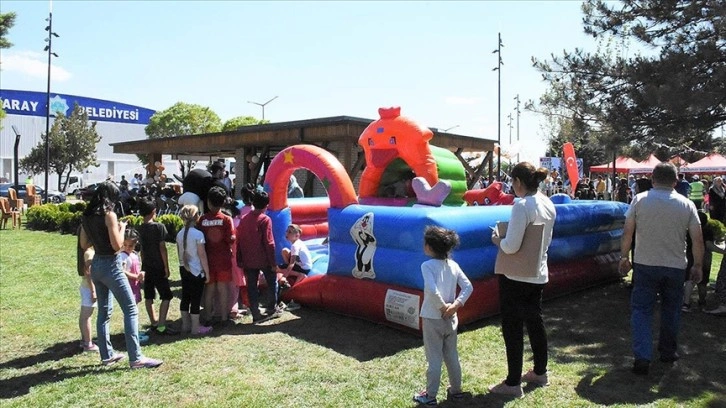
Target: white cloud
33	64
462	100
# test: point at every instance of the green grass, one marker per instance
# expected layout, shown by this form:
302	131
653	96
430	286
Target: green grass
313	358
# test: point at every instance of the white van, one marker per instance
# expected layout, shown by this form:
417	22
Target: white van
75	183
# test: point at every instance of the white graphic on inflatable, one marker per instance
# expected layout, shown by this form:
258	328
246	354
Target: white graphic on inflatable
362	233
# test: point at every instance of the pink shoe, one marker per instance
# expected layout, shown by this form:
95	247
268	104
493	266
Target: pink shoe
113	359
509	390
531	378
203	330
90	348
146	363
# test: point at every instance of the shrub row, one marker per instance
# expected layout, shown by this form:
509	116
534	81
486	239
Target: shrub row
66	218
51	217
172	222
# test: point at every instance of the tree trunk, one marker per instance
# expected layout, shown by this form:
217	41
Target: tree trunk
65	182
60	176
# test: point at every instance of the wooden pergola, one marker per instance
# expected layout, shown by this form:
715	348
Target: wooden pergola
338	134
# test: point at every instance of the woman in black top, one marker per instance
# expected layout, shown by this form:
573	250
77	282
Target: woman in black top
102	229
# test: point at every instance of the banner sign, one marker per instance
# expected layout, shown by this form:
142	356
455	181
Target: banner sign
556	163
31	103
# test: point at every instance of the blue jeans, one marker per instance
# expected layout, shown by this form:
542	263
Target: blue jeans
109	279
251	276
648	282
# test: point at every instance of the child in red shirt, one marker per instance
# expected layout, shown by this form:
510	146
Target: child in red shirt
219	235
256	253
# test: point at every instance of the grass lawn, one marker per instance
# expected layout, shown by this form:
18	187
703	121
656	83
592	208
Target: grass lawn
313	358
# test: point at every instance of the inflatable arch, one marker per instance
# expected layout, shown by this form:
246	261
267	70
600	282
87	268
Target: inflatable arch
310	213
319	161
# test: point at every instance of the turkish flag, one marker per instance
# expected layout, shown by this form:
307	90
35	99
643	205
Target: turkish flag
571	163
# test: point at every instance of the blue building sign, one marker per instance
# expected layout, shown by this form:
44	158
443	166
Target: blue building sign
31	103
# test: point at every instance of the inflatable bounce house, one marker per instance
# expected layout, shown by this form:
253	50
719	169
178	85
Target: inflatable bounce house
368	248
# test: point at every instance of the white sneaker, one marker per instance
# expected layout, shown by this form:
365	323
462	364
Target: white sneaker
531	378
511	390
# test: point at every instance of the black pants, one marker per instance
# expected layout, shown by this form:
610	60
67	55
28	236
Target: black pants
253	292
521	304
192	288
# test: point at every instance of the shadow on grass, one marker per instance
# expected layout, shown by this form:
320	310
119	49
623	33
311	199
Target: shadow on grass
20	385
352	337
54	353
602	337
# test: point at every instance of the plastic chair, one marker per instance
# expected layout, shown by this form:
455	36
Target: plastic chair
15	202
32	196
6	212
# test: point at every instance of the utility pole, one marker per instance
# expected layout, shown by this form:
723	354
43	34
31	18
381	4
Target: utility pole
510	140
49	48
15	156
498	68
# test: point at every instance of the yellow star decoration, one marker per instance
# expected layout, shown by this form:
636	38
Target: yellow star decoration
288	157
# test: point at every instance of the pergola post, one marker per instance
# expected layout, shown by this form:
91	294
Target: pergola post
151	167
240	171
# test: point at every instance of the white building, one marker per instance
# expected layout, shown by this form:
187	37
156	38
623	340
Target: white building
116	122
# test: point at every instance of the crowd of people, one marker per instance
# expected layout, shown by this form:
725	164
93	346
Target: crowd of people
223	252
225	249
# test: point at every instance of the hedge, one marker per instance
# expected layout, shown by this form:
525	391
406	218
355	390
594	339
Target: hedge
172	222
51	217
66	218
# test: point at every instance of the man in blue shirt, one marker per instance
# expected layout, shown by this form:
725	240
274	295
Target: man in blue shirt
683	187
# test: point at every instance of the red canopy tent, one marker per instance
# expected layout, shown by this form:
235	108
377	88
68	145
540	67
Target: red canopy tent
647	165
713	163
622	165
678	161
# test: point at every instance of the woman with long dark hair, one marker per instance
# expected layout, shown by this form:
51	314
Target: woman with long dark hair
521	297
102	229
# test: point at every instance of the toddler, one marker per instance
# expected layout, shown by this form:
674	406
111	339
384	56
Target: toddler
441	275
88	297
131	265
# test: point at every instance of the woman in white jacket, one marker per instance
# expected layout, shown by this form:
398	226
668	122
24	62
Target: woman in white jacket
521	297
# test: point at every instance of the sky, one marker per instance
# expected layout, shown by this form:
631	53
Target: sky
321	59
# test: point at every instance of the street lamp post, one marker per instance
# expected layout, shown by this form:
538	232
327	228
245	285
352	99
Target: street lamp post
49	48
262	105
498	68
510	140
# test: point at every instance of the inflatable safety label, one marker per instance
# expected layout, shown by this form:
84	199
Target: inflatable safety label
402	308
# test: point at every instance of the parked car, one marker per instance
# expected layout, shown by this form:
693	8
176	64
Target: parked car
54	196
